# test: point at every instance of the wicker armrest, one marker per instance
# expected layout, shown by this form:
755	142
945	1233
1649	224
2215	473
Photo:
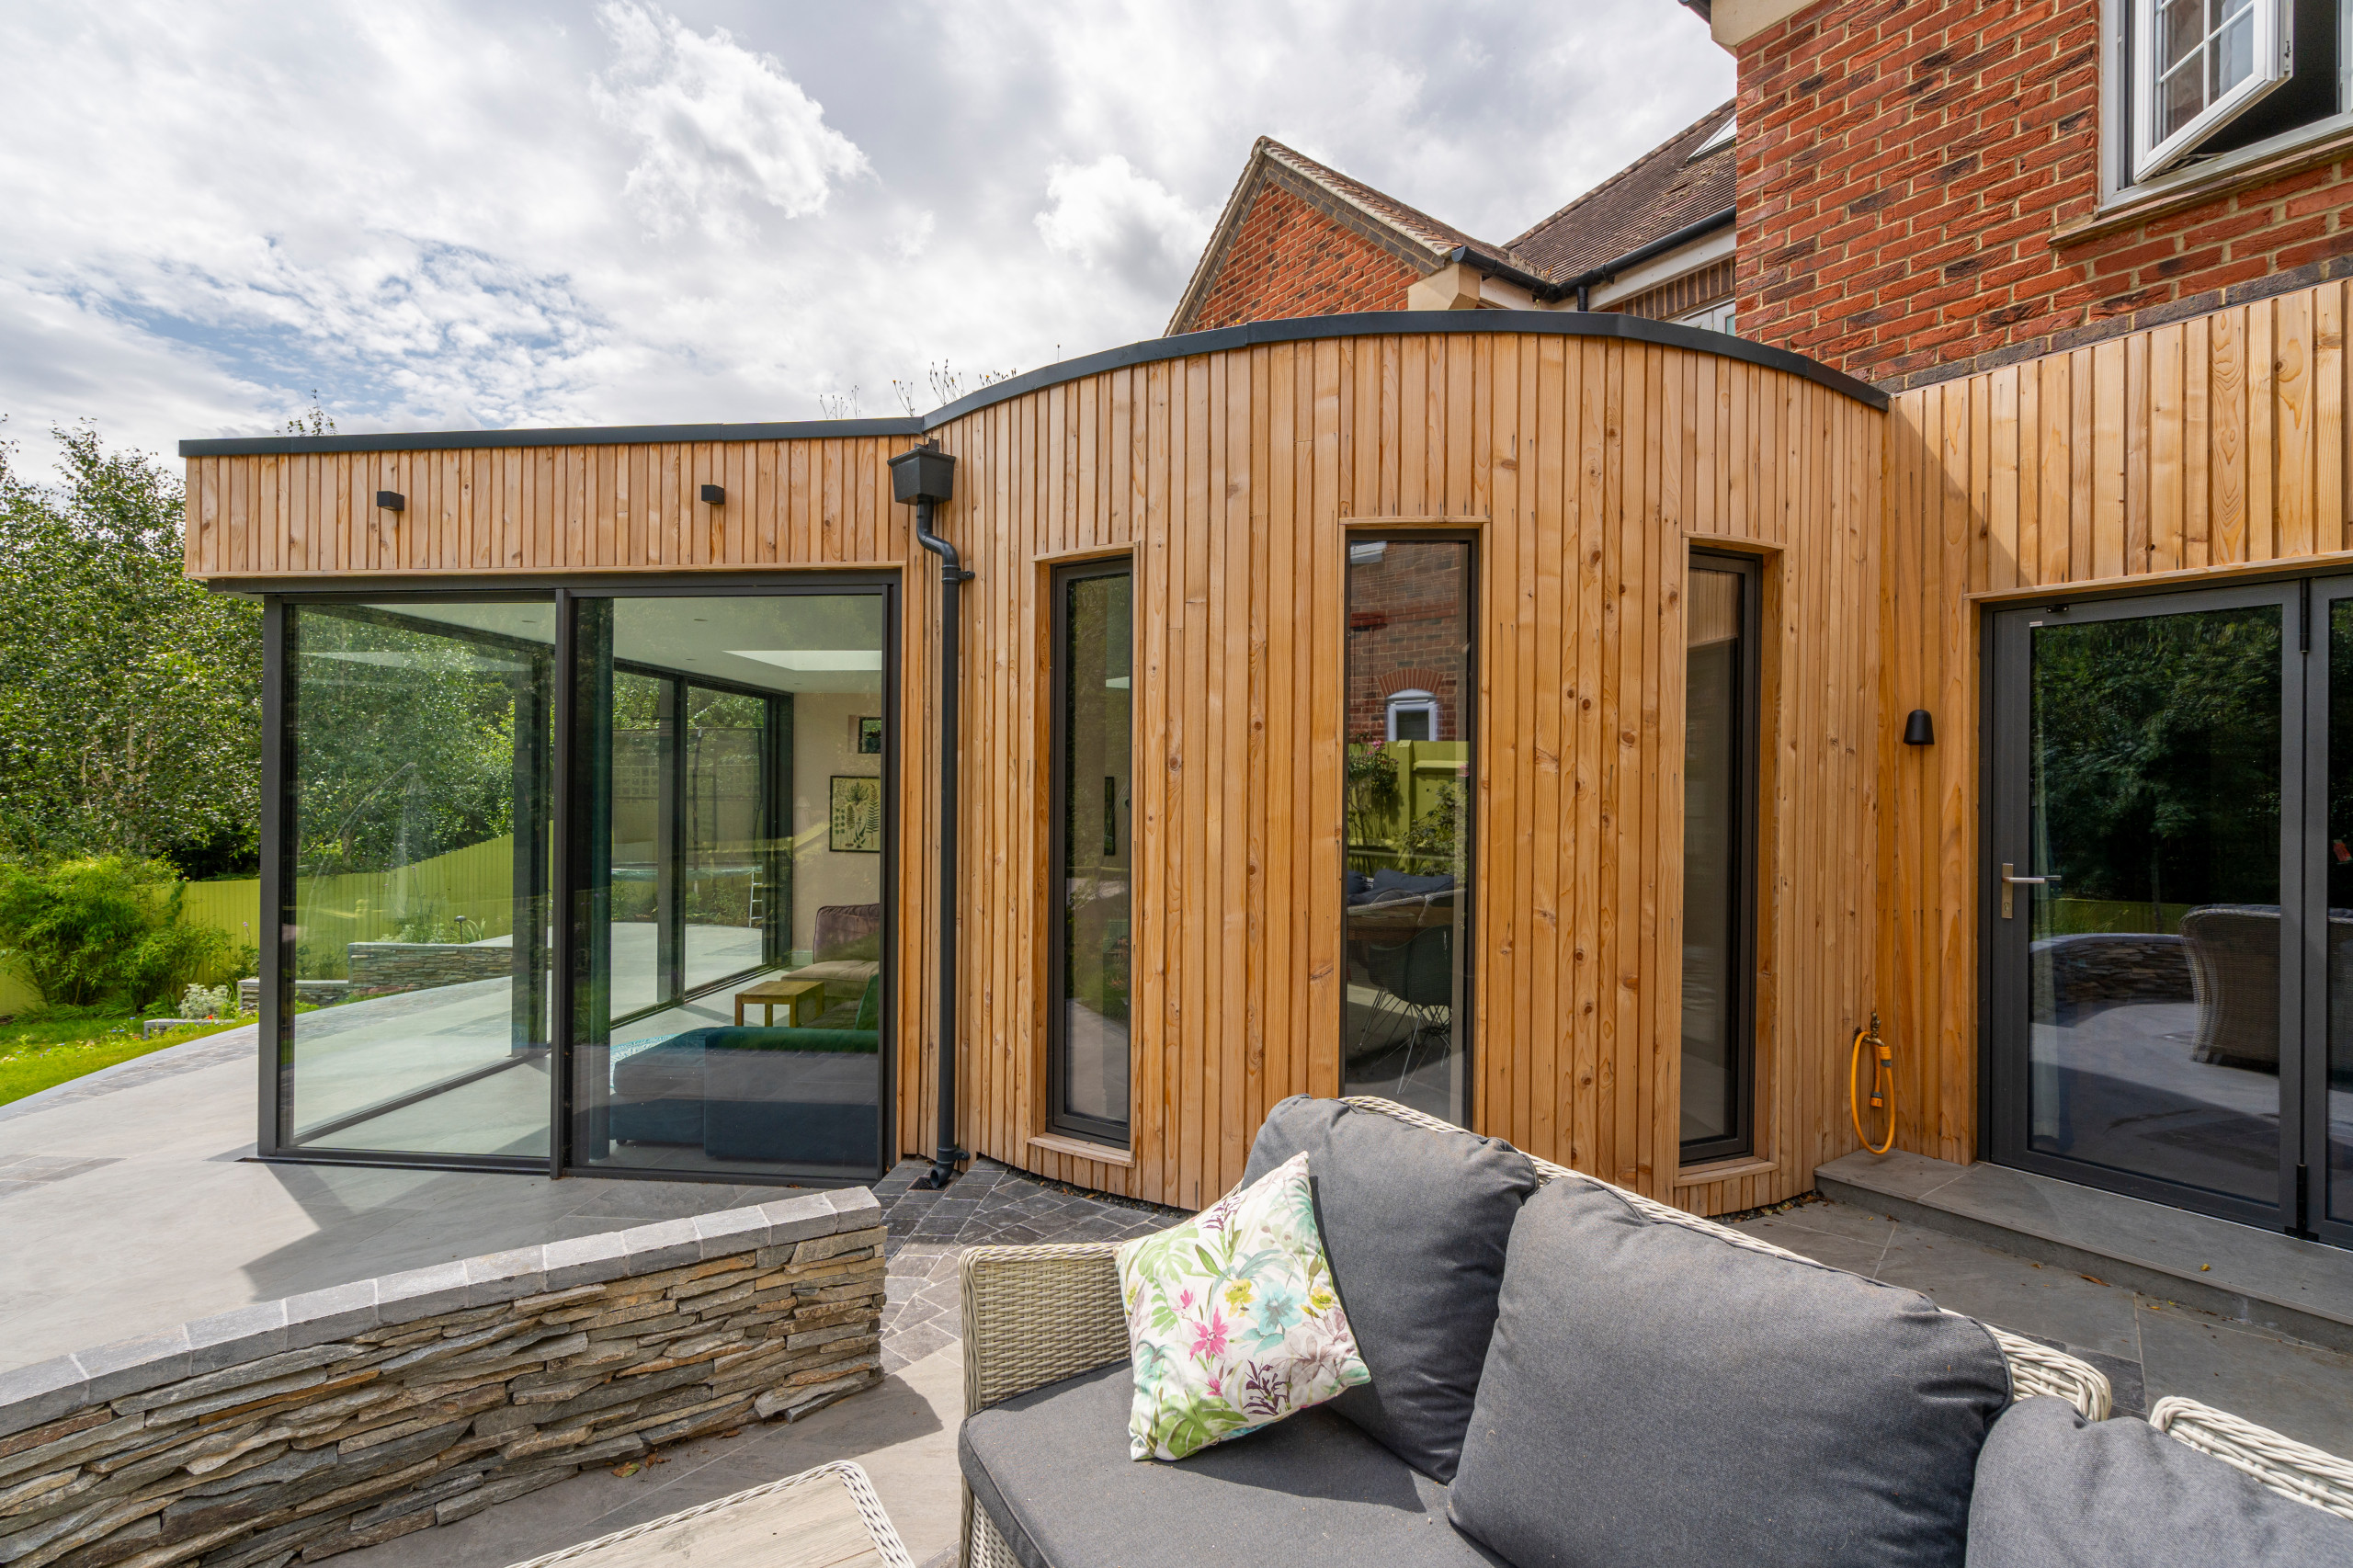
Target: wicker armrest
2288	1467
1036	1315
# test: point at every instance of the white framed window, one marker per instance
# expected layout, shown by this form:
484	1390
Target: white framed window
2194	89
1412	715
1710	318
2198	65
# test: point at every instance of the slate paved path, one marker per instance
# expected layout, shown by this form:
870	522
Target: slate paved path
989	1205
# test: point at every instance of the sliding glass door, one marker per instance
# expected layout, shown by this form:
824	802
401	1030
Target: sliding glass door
414	864
727	884
592	882
2165	882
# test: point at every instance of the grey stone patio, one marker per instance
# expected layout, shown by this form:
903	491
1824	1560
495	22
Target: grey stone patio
131	1192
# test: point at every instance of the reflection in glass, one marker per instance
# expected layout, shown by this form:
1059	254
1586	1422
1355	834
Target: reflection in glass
419	846
2339	1200
1408	817
1715	877
2153	969
1095	787
728	904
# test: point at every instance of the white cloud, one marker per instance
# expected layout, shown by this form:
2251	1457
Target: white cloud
715	124
1110	217
446	213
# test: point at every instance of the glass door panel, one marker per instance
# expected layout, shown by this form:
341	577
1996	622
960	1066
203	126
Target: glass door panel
642	813
725	830
2327	1081
2141	911
728	884
416	960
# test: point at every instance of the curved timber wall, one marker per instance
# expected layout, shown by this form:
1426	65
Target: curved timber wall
1588	454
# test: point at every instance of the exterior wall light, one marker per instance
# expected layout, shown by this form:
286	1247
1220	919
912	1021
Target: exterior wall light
1919	730
392	501
713	494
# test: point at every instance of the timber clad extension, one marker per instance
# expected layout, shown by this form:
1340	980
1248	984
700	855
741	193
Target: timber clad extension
1232	477
2089	395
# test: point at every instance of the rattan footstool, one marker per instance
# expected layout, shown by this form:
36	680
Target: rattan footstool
826	1517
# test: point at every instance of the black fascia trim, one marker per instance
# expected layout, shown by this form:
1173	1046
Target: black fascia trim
1151	351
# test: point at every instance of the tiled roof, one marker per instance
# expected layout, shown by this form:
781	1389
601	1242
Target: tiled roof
1656	194
1411	221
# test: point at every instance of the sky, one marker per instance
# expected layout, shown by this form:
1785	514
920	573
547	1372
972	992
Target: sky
495	215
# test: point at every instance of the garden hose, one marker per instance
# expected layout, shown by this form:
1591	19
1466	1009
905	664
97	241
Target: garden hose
1882	1085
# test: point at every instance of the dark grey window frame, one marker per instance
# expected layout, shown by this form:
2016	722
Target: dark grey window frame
275	1057
2303	600
1747	729
1059	1117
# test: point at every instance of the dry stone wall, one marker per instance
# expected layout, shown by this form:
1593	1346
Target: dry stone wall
290	1431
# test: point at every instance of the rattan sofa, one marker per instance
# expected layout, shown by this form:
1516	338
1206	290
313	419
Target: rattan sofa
1034	1316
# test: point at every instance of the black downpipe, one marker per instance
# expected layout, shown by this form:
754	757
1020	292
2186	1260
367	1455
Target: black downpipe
925	476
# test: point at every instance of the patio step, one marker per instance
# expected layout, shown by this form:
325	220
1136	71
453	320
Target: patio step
2297	1287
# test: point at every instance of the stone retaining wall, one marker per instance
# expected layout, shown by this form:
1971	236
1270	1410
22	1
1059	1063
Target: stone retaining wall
297	1429
380	968
2115	966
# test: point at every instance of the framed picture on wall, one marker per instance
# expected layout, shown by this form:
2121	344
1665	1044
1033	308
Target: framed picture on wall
854	819
866	735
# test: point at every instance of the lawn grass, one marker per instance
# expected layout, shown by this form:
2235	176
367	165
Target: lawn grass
39	1053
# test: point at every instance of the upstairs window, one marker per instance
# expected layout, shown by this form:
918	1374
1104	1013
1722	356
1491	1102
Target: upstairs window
2206	77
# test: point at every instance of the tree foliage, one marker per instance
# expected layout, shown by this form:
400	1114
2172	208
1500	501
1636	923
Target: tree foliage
2157	756
104	930
129	696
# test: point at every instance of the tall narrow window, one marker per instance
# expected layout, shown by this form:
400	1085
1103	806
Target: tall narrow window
1406	1015
1718	856
1093	789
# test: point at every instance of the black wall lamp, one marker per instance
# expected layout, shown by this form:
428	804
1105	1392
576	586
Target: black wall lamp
392	501
1919	730
714	495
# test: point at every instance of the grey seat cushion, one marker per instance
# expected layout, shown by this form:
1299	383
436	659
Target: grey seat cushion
2055	1491
1700	1403
1052	1468
1414	1223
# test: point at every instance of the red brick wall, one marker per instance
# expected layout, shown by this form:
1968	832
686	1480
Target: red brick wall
1903	163
1288	259
1405	632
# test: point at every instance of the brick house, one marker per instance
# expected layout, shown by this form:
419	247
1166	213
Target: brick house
1930	189
1298	238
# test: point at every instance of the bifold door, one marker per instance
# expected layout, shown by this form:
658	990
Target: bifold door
2167	889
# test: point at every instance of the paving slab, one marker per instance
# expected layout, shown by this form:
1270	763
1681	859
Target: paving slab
2263	1277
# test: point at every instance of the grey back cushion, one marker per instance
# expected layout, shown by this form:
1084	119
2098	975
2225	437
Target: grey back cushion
2055	1491
1415	1223
1654	1395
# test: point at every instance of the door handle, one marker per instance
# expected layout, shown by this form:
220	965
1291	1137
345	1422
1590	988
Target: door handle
2009	881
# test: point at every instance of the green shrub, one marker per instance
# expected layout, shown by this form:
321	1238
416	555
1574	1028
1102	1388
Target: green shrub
105	930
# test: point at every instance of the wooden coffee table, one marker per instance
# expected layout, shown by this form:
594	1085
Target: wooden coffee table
826	1517
802	999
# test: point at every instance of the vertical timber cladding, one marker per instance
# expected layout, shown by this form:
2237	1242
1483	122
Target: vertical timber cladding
2164	456
1586	467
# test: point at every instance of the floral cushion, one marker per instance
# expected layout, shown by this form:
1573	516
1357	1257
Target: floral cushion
1232	1319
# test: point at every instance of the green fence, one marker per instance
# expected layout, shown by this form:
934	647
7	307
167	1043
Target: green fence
1421	775
465	895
